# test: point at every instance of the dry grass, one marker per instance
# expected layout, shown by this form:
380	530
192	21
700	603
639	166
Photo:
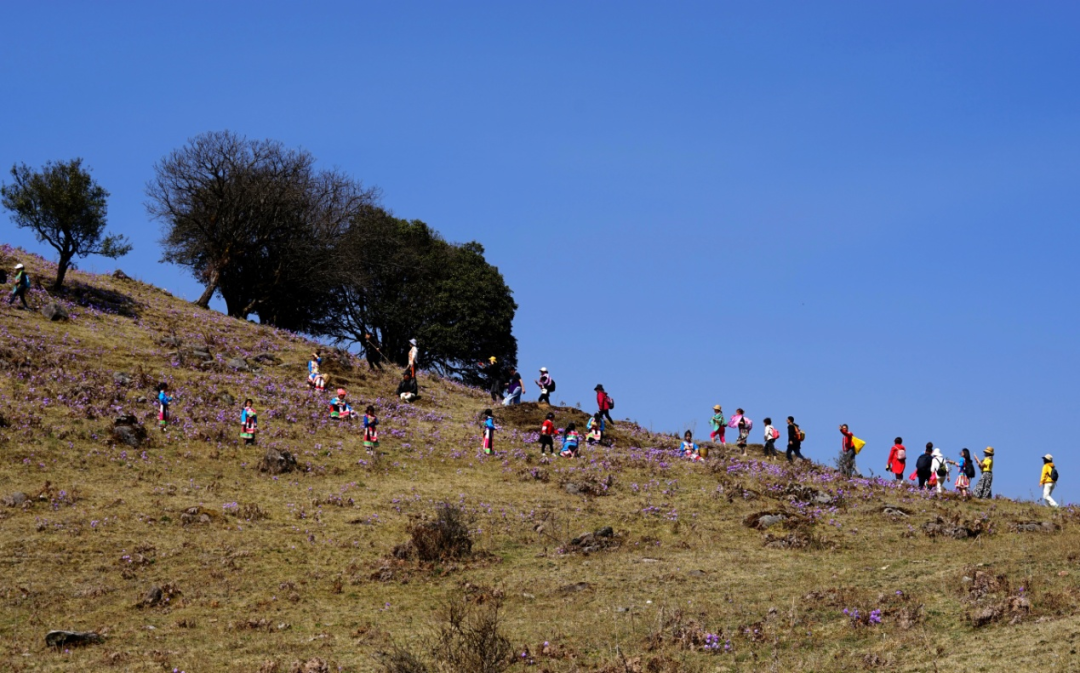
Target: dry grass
257	572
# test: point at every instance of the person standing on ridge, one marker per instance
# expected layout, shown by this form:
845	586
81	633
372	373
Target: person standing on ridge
794	440
414	356
22	284
546	385
847	452
897	462
1048	479
744	425
604	402
984	488
966	467
924	466
940	469
494	375
372	352
771	435
515	388
718	424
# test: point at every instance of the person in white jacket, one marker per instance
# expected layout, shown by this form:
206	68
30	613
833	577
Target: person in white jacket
939	467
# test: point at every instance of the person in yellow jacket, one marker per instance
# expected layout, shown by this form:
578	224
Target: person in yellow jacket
983	489
1048	479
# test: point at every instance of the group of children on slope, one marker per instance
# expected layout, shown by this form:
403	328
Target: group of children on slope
741	422
249	420
570	437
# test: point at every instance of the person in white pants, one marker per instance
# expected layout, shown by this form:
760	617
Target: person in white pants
1047	480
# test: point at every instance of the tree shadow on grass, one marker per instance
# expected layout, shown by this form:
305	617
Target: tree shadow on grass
100	299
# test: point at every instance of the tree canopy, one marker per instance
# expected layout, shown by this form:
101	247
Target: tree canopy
65	208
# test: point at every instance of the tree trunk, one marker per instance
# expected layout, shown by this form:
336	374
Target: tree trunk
61	271
204	300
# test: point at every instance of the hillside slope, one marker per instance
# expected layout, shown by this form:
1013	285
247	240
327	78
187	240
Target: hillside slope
255	571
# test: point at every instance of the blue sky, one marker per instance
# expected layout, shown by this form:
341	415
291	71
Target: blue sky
843	211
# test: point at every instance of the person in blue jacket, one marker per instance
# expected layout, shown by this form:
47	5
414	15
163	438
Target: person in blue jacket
339	408
163	405
249	422
489	432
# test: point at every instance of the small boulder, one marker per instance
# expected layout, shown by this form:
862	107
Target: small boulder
266	359
59	639
120	275
238	364
572	488
171	341
315	665
55	312
225	398
126	430
606	531
277	462
121	379
16	499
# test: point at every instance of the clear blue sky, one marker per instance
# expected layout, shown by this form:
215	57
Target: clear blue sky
848	212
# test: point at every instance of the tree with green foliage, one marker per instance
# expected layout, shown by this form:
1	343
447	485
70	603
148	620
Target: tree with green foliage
65	208
398	279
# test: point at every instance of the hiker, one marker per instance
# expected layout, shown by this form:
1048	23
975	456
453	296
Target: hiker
249	422
744	424
847	452
595	429
163	405
546	385
1048	479
316	379
940	470
515	388
414	355
339	408
795	437
570	441
407	390
372	352
689	449
22	284
494	376
771	435
371	429
717	422
986	479
488	443
924	466
604	402
547	434
966	468
897	459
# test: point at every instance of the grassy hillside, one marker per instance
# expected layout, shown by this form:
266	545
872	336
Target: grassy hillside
187	557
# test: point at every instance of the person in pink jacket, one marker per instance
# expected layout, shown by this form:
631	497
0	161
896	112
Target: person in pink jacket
897	459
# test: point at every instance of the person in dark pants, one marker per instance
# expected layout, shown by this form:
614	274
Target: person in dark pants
494	374
605	403
371	352
546	385
22	284
924	465
794	440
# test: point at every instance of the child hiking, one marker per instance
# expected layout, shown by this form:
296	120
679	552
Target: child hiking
795	438
604	403
163	405
546	384
744	426
966	467
571	440
371	429
1048	479
897	461
717	422
22	284
771	435
547	434
488	443
249	422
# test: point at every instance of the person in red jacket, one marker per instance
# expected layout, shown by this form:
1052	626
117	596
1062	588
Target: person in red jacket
897	459
605	403
847	452
547	434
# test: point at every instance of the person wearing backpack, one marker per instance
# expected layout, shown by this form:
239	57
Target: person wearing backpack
939	467
604	402
986	480
744	425
795	437
546	385
771	435
924	466
22	284
1048	480
897	459
966	467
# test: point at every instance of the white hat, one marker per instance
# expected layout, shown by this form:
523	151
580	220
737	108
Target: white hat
19	266
1048	458
412	341
543	370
